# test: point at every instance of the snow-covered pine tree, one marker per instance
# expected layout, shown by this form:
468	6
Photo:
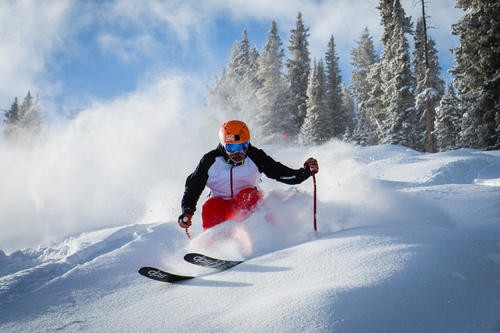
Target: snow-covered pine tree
429	86
376	104
11	120
362	58
378	76
448	121
397	79
240	60
298	66
233	94
30	116
348	113
316	127
251	79
333	94
401	99
222	101
273	121
418	61
244	67
477	72
419	70
23	123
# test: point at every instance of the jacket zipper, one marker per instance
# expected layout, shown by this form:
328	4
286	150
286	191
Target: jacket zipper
231	181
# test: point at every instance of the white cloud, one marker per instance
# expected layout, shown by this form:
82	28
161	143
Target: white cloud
30	31
261	9
131	48
178	18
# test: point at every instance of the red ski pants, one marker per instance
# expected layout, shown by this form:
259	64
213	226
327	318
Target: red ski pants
217	210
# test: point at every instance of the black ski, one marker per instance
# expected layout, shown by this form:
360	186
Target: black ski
218	265
159	275
206	261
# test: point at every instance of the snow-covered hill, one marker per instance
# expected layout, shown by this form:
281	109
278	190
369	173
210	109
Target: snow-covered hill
406	242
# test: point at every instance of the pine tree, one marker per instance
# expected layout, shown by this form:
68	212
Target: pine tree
241	58
222	96
477	72
401	99
363	133
378	76
11	120
252	80
395	119
221	102
333	94
273	120
419	68
316	128
448	122
376	104
348	113
362	58
298	70
233	94
429	86
24	123
30	118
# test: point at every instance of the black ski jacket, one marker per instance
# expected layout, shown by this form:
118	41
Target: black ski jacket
196	182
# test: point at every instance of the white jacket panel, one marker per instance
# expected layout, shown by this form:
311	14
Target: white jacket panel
243	176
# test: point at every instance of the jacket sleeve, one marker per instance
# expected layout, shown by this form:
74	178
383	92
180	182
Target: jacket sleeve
196	182
276	170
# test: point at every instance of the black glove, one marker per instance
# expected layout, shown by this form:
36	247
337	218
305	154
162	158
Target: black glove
185	220
311	164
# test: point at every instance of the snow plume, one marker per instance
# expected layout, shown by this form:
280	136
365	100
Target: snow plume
349	196
125	162
116	163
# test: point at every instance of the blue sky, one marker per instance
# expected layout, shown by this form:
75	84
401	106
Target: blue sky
76	53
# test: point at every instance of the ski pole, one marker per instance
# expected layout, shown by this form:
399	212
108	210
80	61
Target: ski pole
187	234
314	196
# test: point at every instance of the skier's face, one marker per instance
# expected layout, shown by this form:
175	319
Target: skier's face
236	151
237	158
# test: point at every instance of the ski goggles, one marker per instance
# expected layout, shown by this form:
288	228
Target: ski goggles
232	148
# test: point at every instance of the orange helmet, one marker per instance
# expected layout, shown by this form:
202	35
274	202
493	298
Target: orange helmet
234	131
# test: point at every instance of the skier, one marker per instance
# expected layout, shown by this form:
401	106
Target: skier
232	172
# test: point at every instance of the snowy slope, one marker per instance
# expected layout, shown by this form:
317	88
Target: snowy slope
407	242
